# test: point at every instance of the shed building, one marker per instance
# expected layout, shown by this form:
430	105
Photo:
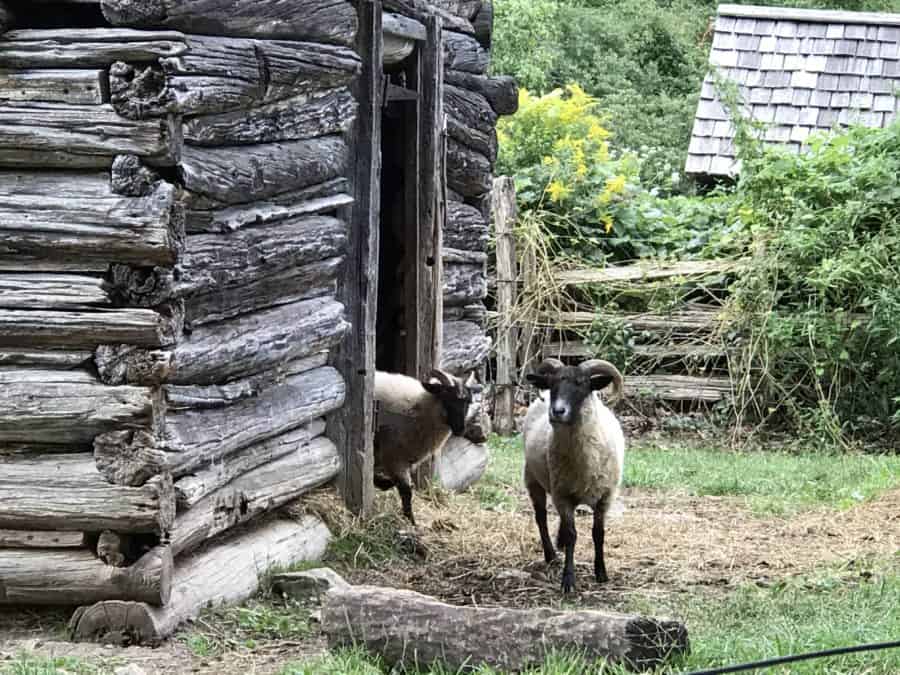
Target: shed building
217	218
798	71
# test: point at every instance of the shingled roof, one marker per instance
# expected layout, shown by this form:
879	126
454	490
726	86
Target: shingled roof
798	71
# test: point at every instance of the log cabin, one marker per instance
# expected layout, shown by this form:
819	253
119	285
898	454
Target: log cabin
217	218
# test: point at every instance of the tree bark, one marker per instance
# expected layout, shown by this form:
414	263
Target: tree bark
305	116
505	216
500	91
408	629
195	439
59	577
72	87
420	10
206	216
246	174
46	406
465	228
332	21
194	487
260	490
219	74
52	291
227	572
467	9
40	539
87	330
81	136
468	171
77	221
48	359
87	47
471	121
228	350
475	312
464	283
66	492
221	276
465	346
462	52
483	23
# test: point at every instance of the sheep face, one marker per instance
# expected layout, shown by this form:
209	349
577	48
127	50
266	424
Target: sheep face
455	396
569	386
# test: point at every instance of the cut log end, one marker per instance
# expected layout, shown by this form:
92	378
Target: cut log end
129	457
135	13
115	622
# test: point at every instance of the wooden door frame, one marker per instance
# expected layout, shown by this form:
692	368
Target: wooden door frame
352	427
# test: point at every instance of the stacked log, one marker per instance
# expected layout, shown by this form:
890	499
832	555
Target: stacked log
172	198
473	101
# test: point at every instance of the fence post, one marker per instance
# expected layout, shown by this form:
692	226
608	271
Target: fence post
504	200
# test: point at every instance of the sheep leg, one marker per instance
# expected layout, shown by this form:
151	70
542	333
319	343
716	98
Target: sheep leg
599	533
404	488
539	501
567	538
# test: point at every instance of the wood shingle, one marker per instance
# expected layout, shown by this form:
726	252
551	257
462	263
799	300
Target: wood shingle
799	72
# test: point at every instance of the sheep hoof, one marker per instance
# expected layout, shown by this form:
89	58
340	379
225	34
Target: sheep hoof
550	557
568	582
601	577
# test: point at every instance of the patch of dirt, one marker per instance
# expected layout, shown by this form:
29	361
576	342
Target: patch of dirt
658	545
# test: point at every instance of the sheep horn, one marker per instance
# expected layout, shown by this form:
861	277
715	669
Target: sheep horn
442	377
601	367
548	366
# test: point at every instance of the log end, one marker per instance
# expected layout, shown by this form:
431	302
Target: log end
129	457
115	622
124	364
134	13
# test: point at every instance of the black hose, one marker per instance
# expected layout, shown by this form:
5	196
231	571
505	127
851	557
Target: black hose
768	663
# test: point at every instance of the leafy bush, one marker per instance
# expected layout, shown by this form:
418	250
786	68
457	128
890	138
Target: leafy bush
591	197
526	40
820	300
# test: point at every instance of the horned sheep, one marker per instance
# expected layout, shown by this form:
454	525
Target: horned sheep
414	420
575	451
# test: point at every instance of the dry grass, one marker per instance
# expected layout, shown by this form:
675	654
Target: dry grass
661	544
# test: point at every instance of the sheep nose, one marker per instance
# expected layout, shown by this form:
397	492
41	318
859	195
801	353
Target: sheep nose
559	413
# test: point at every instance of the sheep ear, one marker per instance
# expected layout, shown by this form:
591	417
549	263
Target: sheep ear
536	380
599	382
433	385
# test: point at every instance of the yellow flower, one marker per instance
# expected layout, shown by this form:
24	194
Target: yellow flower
558	191
616	184
581	170
607	223
604	198
549	161
597	132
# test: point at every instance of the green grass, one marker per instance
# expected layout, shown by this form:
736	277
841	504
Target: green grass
27	664
772	482
245	626
838	607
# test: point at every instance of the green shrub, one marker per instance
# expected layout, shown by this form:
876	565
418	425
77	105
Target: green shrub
591	197
820	300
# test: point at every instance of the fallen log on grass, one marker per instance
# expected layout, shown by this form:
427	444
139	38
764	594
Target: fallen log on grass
408	629
227	572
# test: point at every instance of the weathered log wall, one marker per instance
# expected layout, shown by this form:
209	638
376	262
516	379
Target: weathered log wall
171	237
173	229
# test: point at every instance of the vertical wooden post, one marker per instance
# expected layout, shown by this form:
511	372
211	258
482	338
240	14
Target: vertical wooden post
504	206
432	202
414	270
352	427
